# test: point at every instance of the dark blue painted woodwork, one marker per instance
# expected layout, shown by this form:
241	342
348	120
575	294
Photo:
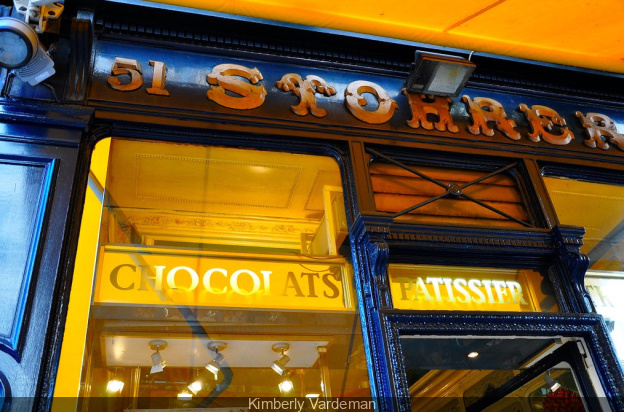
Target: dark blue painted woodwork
24	194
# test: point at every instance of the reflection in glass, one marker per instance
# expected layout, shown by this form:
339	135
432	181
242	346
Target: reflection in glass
442	376
599	208
208	260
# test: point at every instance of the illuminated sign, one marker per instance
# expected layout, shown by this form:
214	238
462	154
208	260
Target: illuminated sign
153	276
434	288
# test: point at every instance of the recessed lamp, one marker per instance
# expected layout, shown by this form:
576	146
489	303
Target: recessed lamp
472	354
285	385
279	365
185	396
195	386
312	395
114	386
438	74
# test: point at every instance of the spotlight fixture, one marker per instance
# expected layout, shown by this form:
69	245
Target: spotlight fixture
472	354
439	74
214	365
157	360
114	386
279	365
21	51
552	384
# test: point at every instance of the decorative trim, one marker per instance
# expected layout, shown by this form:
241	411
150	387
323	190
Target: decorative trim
12	343
79	60
590	327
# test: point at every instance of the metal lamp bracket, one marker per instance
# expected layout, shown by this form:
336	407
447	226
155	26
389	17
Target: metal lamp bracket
42	15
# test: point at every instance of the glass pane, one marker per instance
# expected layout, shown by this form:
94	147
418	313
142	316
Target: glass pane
599	208
459	373
429	287
397	189
221	274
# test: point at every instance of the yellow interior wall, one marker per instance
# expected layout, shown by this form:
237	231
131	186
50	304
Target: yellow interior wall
72	351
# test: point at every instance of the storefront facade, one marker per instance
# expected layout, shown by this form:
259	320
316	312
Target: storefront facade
225	213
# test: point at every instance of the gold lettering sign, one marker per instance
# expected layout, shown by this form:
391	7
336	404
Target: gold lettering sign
223	79
155	277
422	105
542	121
476	290
129	67
305	89
597	125
484	110
355	102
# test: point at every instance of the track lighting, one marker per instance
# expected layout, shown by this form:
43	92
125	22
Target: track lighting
157	360
214	365
552	384
279	365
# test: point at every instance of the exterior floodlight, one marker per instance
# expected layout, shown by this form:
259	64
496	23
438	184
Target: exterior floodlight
214	365
21	51
157	360
552	384
439	74
279	365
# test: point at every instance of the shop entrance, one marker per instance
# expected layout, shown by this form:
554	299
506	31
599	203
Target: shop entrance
499	374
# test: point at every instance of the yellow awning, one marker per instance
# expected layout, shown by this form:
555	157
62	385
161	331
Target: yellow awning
581	33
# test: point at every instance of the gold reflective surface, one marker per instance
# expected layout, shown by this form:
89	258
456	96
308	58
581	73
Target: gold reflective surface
220	274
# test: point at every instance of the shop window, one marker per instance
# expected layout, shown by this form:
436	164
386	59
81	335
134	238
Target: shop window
221	275
429	287
425	191
599	208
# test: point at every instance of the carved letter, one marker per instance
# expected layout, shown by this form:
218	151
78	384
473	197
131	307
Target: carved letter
130	67
158	81
305	89
597	125
542	120
222	80
422	105
485	110
355	102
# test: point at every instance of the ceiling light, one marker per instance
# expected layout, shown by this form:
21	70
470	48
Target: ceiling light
157	360
312	395
438	74
552	384
185	396
472	354
285	385
196	386
114	386
21	51
214	365
279	365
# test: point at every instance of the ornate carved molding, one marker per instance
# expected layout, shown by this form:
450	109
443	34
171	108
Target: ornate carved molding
79	60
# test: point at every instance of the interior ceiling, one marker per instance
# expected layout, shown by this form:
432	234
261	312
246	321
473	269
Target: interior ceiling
581	33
